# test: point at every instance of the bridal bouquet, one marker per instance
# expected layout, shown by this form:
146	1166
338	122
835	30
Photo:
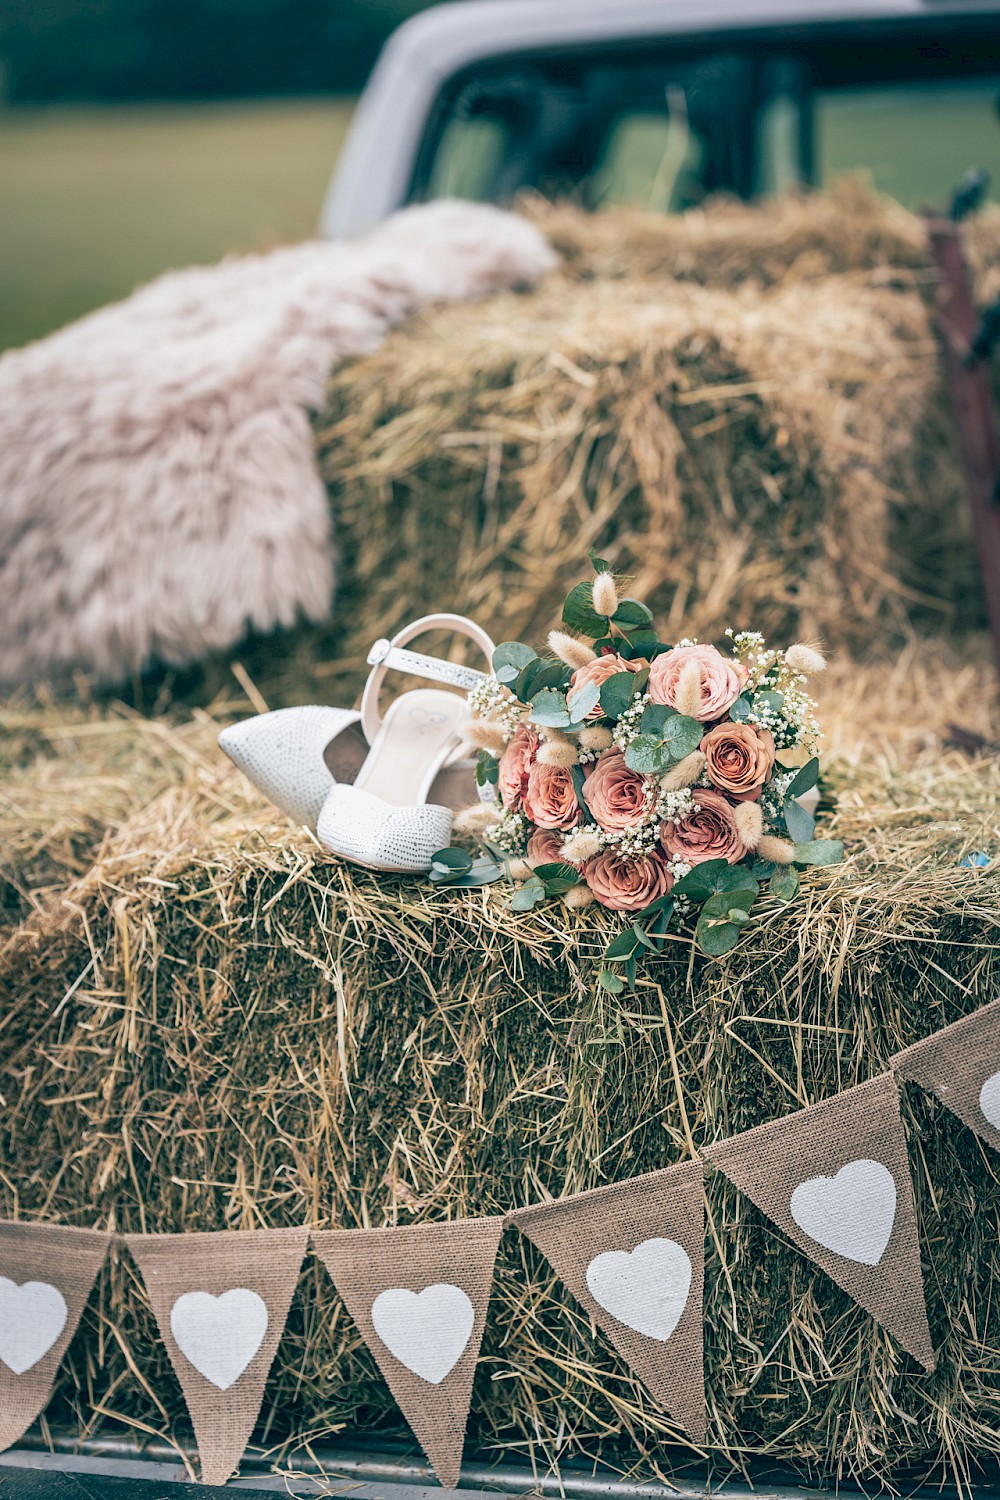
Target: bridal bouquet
661	780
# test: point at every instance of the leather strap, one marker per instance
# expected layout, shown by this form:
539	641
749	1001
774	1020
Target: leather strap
389	655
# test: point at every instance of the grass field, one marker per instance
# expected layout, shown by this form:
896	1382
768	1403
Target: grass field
93	202
96	201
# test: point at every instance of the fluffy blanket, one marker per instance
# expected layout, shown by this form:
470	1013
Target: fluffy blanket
158	488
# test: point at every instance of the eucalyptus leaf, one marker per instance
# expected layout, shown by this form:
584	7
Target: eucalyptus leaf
549	709
487	769
597	563
800	824
632	614
647	755
579	612
654	717
485	871
452	860
771	700
713	876
644	643
537	675
580	703
730	906
616	694
715	938
621	947
509	660
682	735
528	895
819	852
784	883
805	779
610	981
558	878
741	710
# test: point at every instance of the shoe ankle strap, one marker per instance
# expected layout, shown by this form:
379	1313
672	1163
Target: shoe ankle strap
388	655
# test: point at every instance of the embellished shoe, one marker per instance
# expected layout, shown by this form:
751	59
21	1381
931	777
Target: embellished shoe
399	810
295	755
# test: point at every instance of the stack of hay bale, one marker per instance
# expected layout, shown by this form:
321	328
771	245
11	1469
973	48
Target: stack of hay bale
211	1025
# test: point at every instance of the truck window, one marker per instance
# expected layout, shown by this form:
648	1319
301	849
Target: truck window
666	127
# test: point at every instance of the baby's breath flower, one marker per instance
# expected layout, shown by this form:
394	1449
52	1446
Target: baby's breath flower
627	728
674	807
509	832
489	699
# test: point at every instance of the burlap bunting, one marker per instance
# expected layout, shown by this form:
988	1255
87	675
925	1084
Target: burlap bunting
961	1065
835	1177
633	1254
47	1272
221	1302
419	1296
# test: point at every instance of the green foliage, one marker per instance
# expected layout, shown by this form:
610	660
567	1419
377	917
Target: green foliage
579	612
819	852
457	868
617	693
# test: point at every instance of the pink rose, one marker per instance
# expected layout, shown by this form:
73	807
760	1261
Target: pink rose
615	795
709	833
515	763
738	759
721	679
623	884
598	671
550	799
545	847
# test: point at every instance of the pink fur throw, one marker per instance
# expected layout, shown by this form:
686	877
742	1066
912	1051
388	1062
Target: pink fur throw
158	486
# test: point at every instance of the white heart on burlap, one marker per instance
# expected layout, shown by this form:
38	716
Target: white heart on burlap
426	1331
852	1213
219	1335
989	1100
646	1288
32	1316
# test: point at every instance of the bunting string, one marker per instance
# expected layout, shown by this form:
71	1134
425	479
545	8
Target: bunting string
833	1178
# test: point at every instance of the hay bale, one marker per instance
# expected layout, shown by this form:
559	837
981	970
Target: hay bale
742	407
216	1026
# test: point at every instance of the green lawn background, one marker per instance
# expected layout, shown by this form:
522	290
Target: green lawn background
96	201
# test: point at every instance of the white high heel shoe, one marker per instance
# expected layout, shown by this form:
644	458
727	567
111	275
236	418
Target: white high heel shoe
295	755
386	820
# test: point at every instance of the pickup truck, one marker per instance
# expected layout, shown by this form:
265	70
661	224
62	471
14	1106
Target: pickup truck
660	103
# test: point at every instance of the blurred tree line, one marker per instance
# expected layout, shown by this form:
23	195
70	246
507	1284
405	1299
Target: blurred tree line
119	50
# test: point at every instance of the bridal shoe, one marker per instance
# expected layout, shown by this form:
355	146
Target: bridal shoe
398	812
295	755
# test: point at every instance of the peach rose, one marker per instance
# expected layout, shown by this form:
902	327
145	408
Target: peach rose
515	763
598	671
709	833
550	799
545	847
615	795
738	759
721	679
623	884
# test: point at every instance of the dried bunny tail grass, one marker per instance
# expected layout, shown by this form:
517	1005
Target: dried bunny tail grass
569	650
578	897
557	752
519	869
596	737
605	595
484	734
805	659
777	851
685	773
687	696
475	819
580	847
749	821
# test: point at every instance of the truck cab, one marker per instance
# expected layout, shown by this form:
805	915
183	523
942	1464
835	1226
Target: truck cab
661	103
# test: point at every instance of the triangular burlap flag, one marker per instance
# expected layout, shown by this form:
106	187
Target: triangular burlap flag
419	1296
221	1302
47	1272
961	1065
836	1179
633	1254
